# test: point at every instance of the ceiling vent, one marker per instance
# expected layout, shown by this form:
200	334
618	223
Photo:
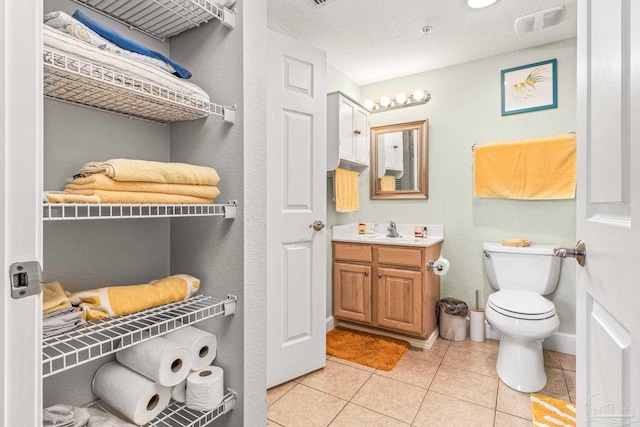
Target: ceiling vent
540	20
320	3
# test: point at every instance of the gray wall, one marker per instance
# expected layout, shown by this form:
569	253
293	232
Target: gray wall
465	110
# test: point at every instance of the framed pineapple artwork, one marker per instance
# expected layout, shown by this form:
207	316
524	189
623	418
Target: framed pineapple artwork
529	87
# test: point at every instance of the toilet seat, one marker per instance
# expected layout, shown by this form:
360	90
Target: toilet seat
521	304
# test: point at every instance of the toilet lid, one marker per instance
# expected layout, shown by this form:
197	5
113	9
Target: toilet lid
521	304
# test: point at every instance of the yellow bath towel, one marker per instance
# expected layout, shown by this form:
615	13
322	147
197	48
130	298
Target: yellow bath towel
149	171
54	298
115	301
346	190
104	196
388	183
103	182
531	169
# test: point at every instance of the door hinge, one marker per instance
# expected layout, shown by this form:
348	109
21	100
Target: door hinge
26	279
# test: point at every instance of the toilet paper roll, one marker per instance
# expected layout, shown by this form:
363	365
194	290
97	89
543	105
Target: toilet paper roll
179	392
158	359
205	389
202	344
476	324
135	396
441	266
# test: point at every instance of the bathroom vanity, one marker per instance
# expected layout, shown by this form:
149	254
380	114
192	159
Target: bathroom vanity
387	284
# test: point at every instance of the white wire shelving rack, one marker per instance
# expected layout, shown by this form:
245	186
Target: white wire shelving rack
99	338
161	18
82	211
178	415
82	82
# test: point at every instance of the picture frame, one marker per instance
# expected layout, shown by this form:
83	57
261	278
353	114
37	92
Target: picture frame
530	87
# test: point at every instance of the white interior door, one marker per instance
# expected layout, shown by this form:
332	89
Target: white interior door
20	211
608	292
296	197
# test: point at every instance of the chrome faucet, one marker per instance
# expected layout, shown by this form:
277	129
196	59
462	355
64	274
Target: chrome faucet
393	231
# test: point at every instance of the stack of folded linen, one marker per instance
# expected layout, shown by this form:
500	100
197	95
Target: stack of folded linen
140	181
58	315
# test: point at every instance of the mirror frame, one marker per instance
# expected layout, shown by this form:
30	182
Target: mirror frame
422	159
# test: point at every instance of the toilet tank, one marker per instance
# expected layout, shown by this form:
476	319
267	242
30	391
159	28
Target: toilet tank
532	268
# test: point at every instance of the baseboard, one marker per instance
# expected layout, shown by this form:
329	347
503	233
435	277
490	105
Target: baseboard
415	342
561	342
331	323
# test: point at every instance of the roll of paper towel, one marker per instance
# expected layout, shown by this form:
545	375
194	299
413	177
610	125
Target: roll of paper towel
135	396
224	3
202	344
179	392
159	359
205	389
441	266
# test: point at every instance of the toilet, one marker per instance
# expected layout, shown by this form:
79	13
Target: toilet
519	311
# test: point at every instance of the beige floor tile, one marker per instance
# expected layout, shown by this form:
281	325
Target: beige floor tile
303	406
506	420
551	359
567	361
273	424
468	386
352	364
337	380
390	397
357	416
467	359
275	393
487	346
513	402
564	397
434	354
555	382
440	410
570	380
412	371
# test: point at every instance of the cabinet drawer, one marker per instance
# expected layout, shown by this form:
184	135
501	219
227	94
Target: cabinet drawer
409	257
352	252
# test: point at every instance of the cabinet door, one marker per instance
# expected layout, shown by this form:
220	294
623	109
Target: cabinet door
399	302
361	134
352	292
345	129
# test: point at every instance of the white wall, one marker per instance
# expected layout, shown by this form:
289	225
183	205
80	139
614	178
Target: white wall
465	110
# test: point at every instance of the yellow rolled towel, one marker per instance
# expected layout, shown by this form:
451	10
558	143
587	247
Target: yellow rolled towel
116	301
54	298
62	197
150	171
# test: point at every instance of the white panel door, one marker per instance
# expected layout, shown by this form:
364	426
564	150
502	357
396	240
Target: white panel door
608	292
296	198
20	209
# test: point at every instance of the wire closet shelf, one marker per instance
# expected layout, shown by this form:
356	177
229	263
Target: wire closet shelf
81	211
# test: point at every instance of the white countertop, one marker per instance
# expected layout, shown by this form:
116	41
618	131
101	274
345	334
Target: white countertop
376	234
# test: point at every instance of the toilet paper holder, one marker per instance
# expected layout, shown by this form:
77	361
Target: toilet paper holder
431	263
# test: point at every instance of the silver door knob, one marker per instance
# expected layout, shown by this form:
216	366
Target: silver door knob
579	252
317	225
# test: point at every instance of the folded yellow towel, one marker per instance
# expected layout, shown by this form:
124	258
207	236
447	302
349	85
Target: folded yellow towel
533	169
104	196
388	183
115	301
54	298
103	182
346	190
149	171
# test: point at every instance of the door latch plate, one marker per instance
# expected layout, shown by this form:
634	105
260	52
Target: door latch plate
26	279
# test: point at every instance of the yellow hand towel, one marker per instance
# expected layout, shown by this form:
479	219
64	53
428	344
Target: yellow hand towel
532	169
103	182
133	197
115	301
149	171
346	190
388	183
62	197
54	298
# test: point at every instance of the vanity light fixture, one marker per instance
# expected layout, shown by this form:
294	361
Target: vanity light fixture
478	4
385	103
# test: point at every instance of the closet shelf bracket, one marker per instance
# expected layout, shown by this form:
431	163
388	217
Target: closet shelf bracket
229	114
230	209
230	305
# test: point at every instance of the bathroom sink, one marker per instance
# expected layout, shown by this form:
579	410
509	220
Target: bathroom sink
382	239
349	233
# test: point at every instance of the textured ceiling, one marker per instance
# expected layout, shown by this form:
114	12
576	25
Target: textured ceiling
375	40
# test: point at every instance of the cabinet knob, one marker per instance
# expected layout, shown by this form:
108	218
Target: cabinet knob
366	273
357	132
380	275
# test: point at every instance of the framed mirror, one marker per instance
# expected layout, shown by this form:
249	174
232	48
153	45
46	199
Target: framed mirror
398	165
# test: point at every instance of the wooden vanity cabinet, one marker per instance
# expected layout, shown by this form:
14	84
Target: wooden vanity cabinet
401	297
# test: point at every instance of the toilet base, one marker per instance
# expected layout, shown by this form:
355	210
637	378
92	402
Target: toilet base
521	364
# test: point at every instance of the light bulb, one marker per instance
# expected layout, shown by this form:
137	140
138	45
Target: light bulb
401	98
385	101
418	95
369	104
477	4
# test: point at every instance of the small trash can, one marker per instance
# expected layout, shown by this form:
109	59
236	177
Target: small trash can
452	315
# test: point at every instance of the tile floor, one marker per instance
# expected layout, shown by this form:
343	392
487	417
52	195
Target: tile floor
453	384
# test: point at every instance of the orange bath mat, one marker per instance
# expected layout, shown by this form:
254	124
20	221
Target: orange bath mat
375	351
548	411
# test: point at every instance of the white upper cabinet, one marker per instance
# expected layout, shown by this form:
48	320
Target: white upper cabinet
348	133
